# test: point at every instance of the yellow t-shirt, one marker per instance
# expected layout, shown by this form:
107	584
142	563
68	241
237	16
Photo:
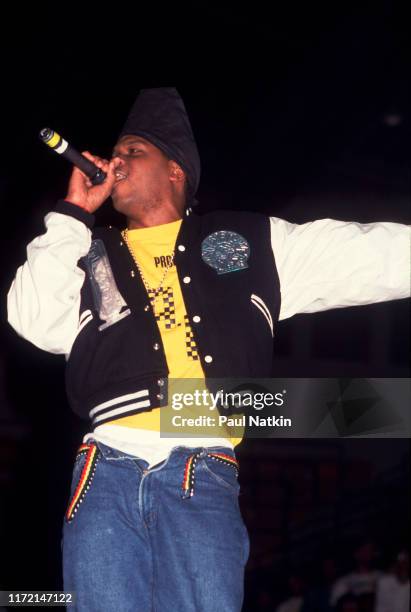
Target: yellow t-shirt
152	248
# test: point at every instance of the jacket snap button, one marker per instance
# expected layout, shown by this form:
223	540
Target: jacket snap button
181	247
186	280
156	346
147	307
132	273
160	382
196	319
160	396
208	359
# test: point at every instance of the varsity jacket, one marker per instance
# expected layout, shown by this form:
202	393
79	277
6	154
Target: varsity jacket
80	294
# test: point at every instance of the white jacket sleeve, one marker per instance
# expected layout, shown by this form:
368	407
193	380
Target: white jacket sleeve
332	264
44	299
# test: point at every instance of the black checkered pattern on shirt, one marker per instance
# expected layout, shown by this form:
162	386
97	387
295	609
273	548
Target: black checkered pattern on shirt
191	346
168	311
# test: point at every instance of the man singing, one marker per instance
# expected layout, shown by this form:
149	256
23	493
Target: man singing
153	522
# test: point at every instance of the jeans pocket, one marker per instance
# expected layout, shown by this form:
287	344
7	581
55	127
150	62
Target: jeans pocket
223	468
83	473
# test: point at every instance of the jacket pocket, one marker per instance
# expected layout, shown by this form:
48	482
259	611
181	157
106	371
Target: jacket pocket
262	307
83	473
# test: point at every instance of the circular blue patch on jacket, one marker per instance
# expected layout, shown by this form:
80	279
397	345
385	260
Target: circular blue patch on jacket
225	251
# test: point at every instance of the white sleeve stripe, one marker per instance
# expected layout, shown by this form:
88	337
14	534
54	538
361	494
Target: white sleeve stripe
84	315
260	304
84	323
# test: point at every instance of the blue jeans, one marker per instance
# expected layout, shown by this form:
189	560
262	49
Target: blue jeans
166	539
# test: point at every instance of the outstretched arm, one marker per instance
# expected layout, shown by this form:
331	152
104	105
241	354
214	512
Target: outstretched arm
328	264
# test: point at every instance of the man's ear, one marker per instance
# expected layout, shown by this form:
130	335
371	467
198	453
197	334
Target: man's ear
176	174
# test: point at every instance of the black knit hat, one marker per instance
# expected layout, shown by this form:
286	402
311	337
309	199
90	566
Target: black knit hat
159	116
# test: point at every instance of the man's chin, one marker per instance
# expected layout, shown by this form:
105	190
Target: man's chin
119	203
123	204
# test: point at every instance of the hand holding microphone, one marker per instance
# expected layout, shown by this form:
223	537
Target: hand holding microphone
81	190
92	179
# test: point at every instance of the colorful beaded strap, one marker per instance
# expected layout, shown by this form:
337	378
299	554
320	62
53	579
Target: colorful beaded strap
92	455
189	470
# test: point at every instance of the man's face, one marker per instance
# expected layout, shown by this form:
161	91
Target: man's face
143	177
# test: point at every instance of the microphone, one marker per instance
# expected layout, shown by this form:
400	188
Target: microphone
62	147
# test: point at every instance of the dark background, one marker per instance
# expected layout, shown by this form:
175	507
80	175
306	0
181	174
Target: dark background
300	112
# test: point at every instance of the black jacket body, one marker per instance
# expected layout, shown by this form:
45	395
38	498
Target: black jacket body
121	370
